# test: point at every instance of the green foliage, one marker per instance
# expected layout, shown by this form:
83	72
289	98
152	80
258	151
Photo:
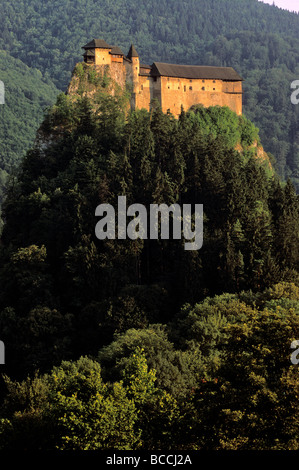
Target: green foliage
72	407
244	399
172	367
90	414
248	132
222	122
259	41
251	395
27	95
22	425
179	364
56	264
79	70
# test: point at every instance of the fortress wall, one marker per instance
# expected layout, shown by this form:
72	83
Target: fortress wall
129	73
186	92
116	59
172	93
233	101
232	87
157	89
144	96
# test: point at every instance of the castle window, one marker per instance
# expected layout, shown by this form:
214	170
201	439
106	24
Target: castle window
190	87
190	81
203	88
214	81
141	87
214	89
184	87
203	81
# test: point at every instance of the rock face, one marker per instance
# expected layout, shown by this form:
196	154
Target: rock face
88	79
259	153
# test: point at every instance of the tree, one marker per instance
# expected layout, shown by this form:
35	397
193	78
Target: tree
69	409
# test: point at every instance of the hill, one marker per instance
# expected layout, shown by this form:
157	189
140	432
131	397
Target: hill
138	343
260	41
89	151
27	95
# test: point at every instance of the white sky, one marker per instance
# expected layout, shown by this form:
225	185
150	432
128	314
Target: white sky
292	5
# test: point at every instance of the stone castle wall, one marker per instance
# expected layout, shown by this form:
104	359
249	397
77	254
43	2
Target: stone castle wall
172	93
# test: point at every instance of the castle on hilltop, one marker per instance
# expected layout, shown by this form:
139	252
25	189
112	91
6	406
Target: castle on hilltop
174	86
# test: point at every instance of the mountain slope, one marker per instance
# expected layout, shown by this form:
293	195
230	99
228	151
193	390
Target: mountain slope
27	95
260	41
49	35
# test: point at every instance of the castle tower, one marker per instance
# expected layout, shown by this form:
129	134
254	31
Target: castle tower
97	52
135	68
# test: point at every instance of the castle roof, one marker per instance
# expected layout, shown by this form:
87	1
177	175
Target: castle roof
195	71
115	50
132	52
96	43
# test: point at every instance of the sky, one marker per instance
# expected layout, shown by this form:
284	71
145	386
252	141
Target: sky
292	5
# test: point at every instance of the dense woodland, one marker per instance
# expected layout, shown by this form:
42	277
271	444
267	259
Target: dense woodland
260	41
27	95
139	344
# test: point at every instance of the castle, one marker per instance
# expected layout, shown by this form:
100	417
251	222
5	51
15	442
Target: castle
174	86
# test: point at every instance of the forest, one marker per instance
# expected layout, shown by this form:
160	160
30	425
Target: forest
140	344
260	41
27	95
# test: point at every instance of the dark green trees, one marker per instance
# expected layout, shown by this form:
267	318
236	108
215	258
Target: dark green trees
162	338
52	261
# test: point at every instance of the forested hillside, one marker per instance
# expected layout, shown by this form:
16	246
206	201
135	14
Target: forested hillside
260	41
140	344
27	95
